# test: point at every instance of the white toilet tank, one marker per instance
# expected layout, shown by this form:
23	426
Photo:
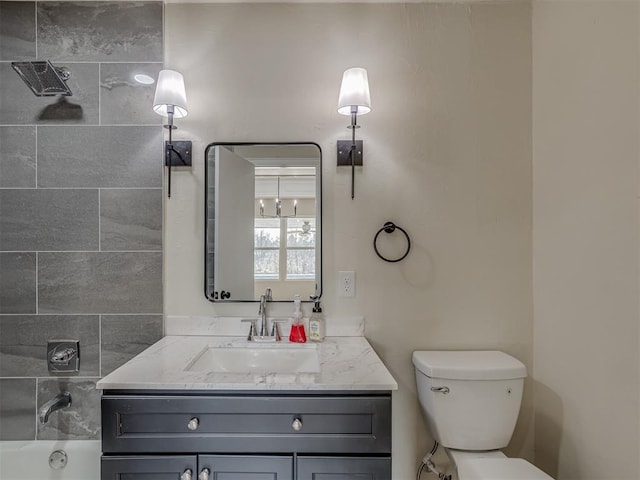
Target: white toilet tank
470	399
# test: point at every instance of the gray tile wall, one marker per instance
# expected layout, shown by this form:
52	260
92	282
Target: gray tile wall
80	206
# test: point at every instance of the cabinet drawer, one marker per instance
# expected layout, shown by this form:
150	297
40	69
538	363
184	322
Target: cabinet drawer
167	467
228	424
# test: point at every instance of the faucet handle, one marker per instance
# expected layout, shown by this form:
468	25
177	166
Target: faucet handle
275	331
253	331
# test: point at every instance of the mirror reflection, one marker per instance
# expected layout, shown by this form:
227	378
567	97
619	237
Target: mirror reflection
263	221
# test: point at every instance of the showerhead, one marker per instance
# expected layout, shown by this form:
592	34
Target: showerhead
43	78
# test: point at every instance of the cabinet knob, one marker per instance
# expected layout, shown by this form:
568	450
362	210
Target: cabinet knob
297	424
186	475
204	474
193	424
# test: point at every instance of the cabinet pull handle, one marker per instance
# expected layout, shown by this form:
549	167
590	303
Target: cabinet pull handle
186	475
193	424
297	424
204	474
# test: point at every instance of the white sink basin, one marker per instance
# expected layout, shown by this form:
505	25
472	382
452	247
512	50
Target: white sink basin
250	358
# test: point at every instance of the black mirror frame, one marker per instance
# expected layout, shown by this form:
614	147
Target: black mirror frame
206	220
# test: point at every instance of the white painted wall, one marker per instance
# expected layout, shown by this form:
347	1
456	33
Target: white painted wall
447	157
586	127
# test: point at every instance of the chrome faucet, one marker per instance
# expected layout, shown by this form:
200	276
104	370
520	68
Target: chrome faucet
264	330
62	400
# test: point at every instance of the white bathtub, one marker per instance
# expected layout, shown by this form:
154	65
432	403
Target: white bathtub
30	460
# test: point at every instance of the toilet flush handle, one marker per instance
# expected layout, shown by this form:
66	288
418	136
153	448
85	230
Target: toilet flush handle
443	390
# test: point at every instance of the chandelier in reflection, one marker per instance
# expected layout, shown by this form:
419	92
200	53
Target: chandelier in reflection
278	207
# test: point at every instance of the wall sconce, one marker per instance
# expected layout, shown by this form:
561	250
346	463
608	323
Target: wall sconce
354	100
170	101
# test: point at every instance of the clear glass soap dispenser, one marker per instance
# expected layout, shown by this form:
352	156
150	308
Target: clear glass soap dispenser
316	323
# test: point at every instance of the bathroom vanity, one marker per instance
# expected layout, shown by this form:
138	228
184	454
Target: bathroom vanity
198	407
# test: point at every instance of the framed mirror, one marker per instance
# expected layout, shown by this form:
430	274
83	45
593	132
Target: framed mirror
263	221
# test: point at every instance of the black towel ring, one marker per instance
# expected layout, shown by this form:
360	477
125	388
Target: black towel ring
390	227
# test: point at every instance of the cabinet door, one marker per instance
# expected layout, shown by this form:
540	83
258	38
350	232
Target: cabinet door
247	467
344	468
147	467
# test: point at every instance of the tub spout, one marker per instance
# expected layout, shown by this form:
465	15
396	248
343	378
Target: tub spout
62	400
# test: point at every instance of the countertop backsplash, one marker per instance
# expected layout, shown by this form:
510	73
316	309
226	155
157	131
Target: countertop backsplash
348	326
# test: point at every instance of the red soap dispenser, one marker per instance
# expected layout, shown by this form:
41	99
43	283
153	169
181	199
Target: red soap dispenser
297	327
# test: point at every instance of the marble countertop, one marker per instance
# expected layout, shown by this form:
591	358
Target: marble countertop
345	363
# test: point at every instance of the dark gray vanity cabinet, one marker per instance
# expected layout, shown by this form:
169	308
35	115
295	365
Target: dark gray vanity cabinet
253	436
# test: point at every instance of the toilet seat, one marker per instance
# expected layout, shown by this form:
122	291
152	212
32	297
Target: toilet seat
498	469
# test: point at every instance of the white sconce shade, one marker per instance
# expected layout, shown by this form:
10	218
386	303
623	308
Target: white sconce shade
170	91
354	92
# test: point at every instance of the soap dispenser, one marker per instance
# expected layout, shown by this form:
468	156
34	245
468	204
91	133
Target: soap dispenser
316	322
297	326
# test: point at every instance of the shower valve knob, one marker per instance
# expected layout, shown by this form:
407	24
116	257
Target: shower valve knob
193	424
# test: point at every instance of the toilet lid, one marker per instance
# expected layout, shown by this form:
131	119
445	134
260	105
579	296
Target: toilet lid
468	365
499	469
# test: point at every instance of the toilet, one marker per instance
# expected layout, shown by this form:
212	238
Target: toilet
471	400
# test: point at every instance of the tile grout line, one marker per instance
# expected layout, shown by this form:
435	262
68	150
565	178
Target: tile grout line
80	125
81	251
35	14
79	315
100	345
36	128
99	220
99	94
36	412
80	188
107	62
37	253
37	298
